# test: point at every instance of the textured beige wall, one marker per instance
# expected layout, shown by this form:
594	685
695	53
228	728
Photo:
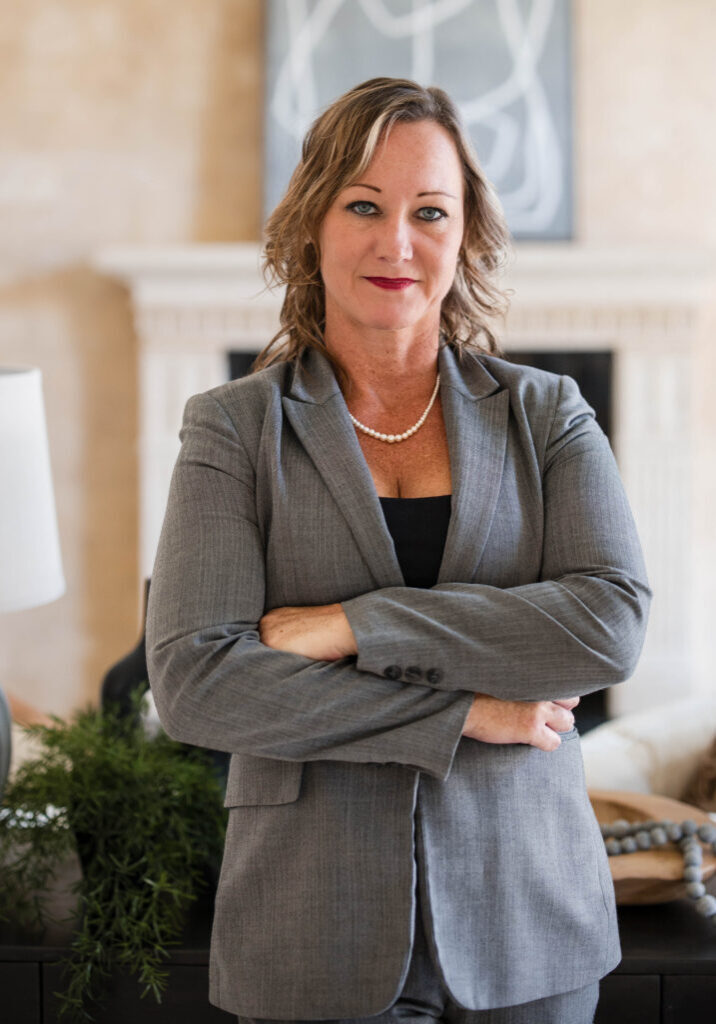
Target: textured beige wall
645	95
121	121
139	121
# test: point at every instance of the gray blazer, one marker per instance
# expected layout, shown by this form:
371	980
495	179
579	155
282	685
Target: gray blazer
349	780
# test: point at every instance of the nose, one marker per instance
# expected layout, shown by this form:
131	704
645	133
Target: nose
394	243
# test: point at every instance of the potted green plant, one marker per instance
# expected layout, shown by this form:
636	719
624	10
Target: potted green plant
145	816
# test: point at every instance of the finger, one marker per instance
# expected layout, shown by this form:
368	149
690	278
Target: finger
568	702
547	739
559	719
566	723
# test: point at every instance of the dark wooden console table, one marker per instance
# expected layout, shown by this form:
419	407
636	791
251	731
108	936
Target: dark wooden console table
30	973
668	969
667	975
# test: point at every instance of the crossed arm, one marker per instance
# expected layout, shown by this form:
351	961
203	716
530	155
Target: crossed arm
227	675
323	633
525	653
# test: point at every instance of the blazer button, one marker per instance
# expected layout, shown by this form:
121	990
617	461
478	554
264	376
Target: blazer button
393	672
434	675
413	673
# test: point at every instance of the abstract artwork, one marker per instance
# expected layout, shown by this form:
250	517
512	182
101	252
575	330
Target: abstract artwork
505	62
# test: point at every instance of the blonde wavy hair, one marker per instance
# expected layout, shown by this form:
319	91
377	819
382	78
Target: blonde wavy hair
337	149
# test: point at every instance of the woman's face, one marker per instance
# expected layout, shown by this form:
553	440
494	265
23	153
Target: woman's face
390	241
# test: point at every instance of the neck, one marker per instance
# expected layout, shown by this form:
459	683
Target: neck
382	365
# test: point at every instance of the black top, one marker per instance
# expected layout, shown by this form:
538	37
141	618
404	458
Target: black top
418	527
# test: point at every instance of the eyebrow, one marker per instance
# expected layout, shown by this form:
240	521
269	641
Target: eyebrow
373	188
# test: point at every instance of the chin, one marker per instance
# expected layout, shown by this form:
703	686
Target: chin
391	319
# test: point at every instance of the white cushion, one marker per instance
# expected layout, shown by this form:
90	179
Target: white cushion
652	751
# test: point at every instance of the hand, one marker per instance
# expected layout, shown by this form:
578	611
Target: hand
321	632
537	723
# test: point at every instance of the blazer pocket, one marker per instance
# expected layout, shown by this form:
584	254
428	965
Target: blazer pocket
254	781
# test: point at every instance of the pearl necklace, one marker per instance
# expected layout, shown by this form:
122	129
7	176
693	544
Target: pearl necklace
393	438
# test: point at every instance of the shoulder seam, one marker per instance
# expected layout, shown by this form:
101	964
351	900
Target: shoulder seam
239	439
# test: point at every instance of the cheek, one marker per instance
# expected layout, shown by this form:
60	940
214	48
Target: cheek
341	262
456	246
446	261
333	269
331	242
337	273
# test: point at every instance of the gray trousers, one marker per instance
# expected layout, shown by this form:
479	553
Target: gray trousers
424	1000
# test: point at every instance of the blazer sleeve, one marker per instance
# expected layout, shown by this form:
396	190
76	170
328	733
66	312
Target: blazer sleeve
214	683
579	628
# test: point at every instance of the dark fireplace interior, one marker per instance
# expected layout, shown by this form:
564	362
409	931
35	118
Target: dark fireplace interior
593	373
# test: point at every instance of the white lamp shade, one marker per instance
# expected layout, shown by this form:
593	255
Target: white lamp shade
30	560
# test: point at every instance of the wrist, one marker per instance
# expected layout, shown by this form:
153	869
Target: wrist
347	640
472	721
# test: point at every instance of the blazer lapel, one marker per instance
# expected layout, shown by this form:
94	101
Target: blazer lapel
317	412
476	415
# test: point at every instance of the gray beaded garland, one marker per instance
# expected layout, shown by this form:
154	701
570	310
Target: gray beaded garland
695	890
643	840
707	833
658	836
628	837
706	906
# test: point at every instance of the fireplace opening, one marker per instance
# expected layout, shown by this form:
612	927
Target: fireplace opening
592	370
240	364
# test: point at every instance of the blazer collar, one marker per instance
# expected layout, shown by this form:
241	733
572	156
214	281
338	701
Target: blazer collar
476	414
314	381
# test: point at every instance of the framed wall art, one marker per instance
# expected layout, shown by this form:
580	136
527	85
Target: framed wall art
507	63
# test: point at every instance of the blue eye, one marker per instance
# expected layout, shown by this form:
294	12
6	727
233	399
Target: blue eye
362	207
431	213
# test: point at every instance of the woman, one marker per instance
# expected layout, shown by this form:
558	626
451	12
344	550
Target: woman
389	632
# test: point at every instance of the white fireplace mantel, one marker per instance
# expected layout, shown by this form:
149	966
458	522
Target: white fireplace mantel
654	309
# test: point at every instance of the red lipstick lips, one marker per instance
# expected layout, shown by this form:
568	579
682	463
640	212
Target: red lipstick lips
391	283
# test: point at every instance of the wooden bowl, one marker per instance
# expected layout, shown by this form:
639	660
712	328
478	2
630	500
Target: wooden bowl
649	876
